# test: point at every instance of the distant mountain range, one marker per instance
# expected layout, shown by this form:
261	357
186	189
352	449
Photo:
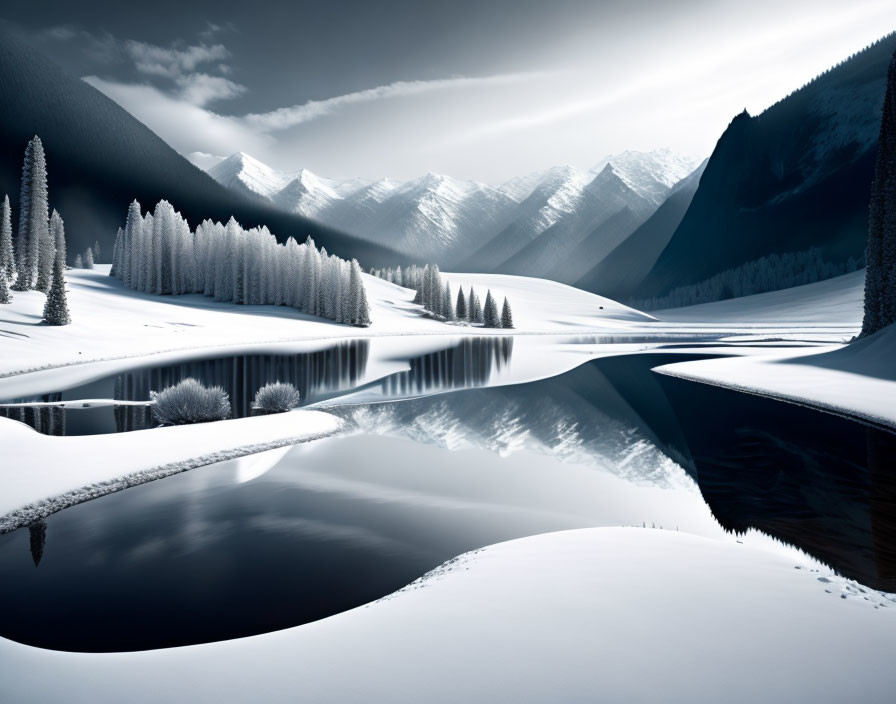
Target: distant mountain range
795	177
99	158
530	225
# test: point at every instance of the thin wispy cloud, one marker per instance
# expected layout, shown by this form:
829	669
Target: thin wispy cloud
284	118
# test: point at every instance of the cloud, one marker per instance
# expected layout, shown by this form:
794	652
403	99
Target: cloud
186	126
284	118
201	89
172	62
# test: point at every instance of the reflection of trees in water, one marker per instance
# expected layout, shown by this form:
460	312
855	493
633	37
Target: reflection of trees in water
468	364
817	481
314	374
49	420
37	533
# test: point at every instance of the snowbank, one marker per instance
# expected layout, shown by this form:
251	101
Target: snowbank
605	614
111	322
41	474
857	380
833	303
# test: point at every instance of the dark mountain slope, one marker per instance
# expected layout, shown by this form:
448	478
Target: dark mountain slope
99	158
796	176
618	274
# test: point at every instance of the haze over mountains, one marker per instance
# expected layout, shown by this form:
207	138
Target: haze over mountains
528	225
100	158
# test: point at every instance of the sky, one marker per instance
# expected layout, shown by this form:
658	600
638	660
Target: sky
482	90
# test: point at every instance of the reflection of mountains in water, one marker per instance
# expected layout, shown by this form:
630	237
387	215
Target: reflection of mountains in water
577	416
812	479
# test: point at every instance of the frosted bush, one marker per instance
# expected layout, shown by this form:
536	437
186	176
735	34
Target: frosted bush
190	402
276	398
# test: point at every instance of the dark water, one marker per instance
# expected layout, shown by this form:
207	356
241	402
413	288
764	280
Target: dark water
201	557
318	376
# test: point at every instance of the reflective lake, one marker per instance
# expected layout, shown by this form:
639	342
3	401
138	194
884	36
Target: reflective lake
452	448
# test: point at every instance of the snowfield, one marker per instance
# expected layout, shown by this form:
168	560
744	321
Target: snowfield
600	614
858	380
833	302
112	322
42	474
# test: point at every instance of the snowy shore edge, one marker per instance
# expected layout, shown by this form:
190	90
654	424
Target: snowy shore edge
32	488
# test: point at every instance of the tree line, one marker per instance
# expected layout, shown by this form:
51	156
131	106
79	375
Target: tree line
772	273
158	253
36	261
437	299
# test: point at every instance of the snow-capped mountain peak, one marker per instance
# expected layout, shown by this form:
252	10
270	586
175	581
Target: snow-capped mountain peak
649	174
244	172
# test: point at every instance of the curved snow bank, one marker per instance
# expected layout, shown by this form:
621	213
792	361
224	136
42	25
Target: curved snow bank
43	474
831	303
605	614
856	380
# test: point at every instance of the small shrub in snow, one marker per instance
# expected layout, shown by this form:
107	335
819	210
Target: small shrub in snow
276	398
190	402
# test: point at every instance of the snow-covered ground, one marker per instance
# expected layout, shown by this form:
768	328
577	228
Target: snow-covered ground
600	614
111	322
42	474
857	380
829	310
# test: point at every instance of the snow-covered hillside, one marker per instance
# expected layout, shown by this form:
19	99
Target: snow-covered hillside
110	321
610	614
452	221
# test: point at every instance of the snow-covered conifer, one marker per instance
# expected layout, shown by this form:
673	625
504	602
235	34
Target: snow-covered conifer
460	312
492	318
475	306
448	303
5	295
506	316
88	258
57	232
7	254
79	262
56	307
33	215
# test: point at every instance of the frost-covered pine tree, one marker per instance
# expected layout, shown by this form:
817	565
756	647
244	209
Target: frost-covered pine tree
33	215
116	250
56	307
880	253
460	311
88	258
5	295
57	232
448	303
490	312
79	262
476	316
506	316
7	254
97	252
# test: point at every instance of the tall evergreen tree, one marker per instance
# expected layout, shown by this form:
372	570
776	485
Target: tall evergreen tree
490	312
880	254
461	309
79	262
506	316
7	254
476	316
448	303
33	215
57	232
88	258
5	295
56	307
